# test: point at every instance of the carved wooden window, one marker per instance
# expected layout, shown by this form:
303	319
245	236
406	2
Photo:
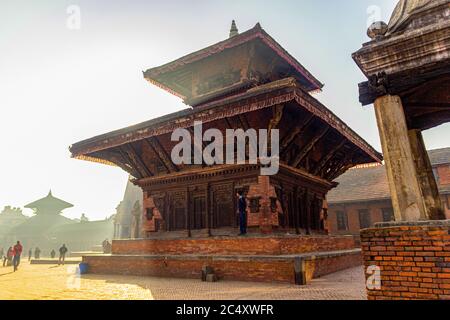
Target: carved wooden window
149	213
254	205
342	220
388	214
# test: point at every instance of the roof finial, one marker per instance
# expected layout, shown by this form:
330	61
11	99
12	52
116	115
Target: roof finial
234	30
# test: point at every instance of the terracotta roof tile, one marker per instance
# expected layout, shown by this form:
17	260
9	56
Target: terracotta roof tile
368	184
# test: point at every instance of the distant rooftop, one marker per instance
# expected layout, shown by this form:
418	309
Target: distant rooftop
49	205
370	183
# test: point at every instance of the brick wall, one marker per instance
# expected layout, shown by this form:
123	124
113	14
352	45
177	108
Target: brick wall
414	261
235	246
375	210
226	268
444	174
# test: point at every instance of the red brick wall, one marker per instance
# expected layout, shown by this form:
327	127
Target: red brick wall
375	210
414	261
446	203
444	174
235	246
249	269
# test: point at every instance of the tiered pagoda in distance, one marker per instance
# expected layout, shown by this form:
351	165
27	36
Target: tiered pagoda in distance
35	231
247	81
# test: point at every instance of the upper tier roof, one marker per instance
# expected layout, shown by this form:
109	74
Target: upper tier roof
49	205
242	61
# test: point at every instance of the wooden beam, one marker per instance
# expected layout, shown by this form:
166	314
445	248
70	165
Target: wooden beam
293	132
127	159
277	115
137	161
342	165
307	148
159	150
323	162
244	122
196	147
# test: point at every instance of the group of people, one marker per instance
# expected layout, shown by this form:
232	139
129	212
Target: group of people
13	254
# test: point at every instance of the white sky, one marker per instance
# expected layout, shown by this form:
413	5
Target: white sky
59	86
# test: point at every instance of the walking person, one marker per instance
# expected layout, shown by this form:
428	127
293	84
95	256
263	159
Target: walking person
242	207
62	254
53	254
7	259
37	253
30	253
2	253
17	253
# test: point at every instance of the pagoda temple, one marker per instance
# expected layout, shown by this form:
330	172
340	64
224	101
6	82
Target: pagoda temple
36	231
247	81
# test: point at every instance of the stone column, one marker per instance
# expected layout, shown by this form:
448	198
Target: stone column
407	199
427	182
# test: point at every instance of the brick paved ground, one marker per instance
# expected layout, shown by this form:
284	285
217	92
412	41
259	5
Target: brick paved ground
53	282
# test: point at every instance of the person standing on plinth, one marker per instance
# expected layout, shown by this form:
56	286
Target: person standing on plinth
37	253
62	254
242	207
17	253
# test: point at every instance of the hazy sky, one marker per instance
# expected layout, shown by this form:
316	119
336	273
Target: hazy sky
59	86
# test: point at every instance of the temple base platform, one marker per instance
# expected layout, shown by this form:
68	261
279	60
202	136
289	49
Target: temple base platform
270	258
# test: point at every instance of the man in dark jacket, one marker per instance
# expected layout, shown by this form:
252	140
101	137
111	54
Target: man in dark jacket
242	207
62	254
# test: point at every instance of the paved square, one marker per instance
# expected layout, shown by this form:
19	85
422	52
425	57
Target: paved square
61	282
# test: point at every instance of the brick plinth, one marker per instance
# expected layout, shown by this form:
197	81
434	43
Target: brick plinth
272	258
240	268
413	258
258	245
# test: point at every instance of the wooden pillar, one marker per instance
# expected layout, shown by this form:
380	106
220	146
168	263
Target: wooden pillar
407	199
307	204
427	182
188	214
296	210
208	208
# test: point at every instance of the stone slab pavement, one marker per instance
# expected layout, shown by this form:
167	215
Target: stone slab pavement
54	282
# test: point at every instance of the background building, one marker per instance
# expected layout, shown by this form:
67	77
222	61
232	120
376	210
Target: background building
363	198
48	229
125	220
